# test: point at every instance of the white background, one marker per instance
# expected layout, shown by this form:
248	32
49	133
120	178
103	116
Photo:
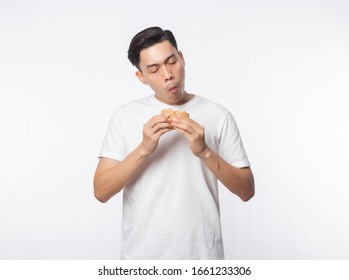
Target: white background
281	68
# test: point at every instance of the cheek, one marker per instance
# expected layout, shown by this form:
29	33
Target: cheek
151	78
179	69
181	72
153	83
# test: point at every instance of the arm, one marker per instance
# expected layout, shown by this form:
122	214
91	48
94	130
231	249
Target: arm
239	181
112	176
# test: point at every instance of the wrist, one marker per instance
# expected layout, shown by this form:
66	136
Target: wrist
142	151
206	153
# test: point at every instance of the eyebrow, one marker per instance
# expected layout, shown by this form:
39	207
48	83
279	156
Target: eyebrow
172	55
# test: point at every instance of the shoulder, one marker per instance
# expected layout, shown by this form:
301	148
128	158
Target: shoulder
203	101
136	106
212	115
135	102
212	108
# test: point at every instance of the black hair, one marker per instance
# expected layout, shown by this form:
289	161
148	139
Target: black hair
147	38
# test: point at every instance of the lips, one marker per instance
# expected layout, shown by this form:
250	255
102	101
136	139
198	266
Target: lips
173	89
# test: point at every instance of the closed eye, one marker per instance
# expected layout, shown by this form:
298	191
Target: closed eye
173	60
153	69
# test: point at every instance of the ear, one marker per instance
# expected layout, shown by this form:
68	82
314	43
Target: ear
181	56
140	76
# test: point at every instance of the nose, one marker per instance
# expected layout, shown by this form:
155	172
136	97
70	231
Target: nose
167	74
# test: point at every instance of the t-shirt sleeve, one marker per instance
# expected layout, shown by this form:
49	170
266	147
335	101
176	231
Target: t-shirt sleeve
231	147
114	144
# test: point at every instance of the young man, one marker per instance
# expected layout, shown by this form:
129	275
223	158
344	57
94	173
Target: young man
168	166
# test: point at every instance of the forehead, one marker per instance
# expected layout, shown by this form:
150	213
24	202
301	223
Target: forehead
157	53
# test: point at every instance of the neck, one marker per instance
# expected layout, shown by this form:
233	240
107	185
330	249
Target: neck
186	97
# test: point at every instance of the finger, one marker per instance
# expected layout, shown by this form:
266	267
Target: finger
190	135
187	125
182	127
184	132
159	126
161	132
191	122
155	120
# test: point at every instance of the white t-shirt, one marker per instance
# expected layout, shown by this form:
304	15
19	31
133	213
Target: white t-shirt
171	208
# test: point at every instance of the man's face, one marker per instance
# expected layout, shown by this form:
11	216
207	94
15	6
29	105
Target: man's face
162	68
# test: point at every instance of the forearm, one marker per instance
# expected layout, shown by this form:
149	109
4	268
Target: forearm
113	179
239	181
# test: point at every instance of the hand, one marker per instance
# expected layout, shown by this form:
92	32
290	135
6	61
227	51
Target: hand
195	134
152	131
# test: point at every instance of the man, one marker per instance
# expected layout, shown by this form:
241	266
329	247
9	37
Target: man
168	167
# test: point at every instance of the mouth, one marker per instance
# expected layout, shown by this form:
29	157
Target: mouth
173	89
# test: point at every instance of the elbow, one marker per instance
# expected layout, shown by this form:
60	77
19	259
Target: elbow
249	192
246	189
247	196
100	197
103	193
